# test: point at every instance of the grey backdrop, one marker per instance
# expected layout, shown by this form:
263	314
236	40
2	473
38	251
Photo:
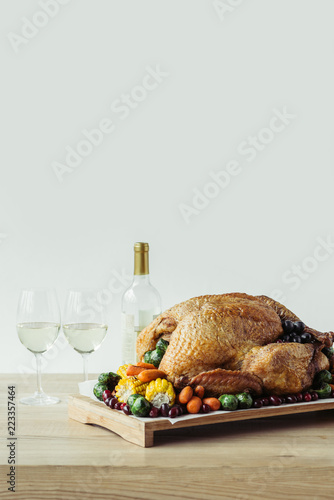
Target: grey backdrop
202	127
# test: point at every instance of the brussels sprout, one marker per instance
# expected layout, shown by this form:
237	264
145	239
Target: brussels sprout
131	399
161	346
147	357
228	402
156	358
245	400
322	377
98	390
328	351
111	379
140	407
324	391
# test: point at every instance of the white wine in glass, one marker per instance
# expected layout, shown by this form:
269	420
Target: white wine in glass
83	335
38	324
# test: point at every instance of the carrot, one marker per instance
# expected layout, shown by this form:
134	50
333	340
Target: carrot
199	391
148	375
145	365
332	386
214	403
185	395
133	370
194	405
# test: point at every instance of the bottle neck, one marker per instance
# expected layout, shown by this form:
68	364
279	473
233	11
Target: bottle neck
141	279
141	264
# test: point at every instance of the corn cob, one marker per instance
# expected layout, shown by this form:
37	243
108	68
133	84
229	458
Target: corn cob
160	391
129	385
122	370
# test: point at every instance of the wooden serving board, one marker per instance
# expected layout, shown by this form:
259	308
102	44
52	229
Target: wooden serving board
141	431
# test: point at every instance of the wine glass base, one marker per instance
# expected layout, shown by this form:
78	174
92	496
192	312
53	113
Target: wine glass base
39	400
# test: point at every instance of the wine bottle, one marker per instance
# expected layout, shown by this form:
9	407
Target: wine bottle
141	303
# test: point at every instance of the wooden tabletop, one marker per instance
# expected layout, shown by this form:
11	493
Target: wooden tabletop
290	457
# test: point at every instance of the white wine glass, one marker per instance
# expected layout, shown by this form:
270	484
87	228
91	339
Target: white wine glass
38	324
84	323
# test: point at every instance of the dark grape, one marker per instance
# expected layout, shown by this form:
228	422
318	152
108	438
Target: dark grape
306	337
206	408
265	401
275	401
179	409
290	399
297	339
107	401
106	395
279	341
307	397
173	412
299	397
257	403
183	409
117	406
126	410
164	409
282	398
112	402
315	396
298	327
287	326
154	412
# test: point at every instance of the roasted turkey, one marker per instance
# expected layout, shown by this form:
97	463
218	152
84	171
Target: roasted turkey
227	343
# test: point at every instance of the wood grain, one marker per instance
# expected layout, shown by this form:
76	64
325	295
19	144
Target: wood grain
141	432
274	458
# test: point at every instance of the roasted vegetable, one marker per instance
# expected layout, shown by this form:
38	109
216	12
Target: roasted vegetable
228	402
111	379
147	357
127	386
322	377
122	370
245	400
156	358
132	398
328	351
161	346
140	407
98	390
160	391
324	391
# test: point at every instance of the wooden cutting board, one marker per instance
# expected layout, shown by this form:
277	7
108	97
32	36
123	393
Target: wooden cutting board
141	431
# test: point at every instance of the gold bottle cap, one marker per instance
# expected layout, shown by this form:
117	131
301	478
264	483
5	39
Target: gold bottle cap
141	247
141	258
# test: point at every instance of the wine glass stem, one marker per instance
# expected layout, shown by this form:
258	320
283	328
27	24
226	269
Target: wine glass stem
85	366
39	374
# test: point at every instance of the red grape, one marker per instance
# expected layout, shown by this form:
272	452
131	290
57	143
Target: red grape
291	399
112	402
257	403
206	408
164	409
299	397
307	397
154	412
275	401
106	395
315	396
126	409
173	412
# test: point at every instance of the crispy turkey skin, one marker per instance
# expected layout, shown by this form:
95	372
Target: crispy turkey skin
216	341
